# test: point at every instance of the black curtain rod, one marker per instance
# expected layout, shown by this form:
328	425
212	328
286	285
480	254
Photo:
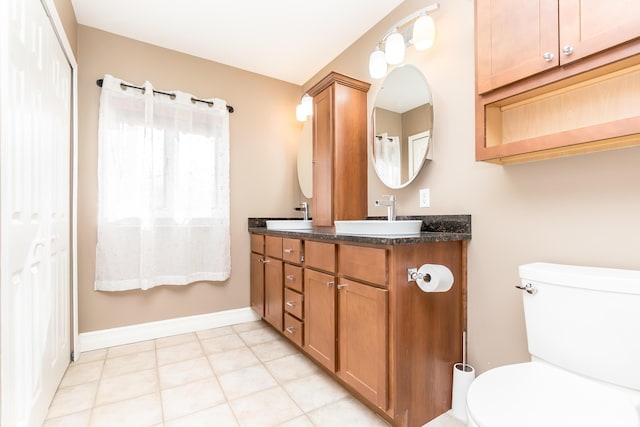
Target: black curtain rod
171	95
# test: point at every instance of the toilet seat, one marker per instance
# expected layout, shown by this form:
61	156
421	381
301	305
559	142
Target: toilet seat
536	394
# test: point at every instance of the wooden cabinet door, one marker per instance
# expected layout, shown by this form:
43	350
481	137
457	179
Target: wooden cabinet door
320	317
322	206
257	283
512	38
273	292
591	26
362	337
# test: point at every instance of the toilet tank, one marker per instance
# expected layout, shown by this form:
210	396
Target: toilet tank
585	320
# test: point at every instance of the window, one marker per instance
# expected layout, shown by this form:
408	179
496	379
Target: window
163	174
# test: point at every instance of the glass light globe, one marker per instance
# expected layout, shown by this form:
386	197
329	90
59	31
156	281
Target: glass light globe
301	115
394	48
377	64
307	104
424	33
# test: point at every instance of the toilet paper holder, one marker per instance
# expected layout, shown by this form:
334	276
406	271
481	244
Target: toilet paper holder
413	275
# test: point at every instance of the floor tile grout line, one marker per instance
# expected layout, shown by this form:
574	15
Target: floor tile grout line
278	382
226	398
157	369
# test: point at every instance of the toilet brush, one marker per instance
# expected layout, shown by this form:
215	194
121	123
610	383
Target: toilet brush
463	375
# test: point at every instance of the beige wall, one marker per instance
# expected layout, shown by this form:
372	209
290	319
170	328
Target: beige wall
576	210
69	22
264	139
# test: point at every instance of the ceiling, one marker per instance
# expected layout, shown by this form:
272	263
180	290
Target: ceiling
289	40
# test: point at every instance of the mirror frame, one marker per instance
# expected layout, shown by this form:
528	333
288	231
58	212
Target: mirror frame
427	132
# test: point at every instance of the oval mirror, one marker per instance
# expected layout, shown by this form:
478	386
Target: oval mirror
305	156
402	126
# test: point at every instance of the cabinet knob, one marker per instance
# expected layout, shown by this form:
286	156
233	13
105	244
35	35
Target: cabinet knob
288	251
548	56
329	283
291	277
290	304
291	330
567	50
342	286
264	261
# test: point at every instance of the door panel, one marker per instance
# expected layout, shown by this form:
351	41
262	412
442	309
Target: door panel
35	141
590	26
503	58
320	317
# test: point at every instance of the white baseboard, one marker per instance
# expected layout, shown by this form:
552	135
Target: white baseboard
147	331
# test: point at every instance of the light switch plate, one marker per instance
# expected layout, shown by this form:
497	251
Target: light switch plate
425	198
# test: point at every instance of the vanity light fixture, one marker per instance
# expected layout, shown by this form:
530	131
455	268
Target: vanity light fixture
305	108
419	26
394	48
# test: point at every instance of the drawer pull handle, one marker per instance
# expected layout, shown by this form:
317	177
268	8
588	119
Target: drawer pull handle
329	283
288	251
290	304
342	286
291	330
264	261
291	277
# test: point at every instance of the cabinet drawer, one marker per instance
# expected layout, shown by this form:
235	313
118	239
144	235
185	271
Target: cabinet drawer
257	243
292	250
293	303
293	329
366	264
273	246
293	277
320	255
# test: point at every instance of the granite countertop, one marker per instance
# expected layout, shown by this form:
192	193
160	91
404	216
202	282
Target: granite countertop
435	228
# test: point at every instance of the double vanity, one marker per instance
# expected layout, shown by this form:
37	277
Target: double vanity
347	302
342	286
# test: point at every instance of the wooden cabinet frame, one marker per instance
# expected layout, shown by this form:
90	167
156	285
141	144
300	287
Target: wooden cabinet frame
392	345
512	122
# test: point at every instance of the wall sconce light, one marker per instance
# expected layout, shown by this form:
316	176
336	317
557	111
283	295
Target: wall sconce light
305	108
417	29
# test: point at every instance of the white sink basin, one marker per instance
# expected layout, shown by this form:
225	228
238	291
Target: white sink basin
288	224
379	227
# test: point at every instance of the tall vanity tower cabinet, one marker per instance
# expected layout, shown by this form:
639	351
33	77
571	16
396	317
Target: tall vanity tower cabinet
339	149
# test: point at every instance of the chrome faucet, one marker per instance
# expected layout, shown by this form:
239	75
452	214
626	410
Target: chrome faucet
390	203
304	208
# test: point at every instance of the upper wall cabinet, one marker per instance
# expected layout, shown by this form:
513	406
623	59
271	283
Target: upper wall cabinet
556	77
339	149
516	40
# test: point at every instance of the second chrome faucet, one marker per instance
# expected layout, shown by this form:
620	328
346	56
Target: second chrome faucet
390	203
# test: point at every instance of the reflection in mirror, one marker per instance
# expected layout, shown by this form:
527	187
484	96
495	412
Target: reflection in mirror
402	126
305	156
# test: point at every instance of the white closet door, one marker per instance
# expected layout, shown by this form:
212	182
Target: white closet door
35	139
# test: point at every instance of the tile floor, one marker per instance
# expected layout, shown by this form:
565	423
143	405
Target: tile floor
241	375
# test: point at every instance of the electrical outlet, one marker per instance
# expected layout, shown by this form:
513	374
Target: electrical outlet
425	198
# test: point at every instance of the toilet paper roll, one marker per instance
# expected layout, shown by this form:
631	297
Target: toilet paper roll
434	278
463	376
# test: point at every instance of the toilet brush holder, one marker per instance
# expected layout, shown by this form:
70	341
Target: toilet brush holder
463	376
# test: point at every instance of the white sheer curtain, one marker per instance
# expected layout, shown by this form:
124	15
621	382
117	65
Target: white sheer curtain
387	154
163	185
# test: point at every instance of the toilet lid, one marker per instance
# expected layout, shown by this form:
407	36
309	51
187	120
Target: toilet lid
535	394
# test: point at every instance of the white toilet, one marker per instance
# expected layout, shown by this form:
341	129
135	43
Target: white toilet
583	330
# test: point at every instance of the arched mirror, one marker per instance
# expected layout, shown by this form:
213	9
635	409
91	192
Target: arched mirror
402	126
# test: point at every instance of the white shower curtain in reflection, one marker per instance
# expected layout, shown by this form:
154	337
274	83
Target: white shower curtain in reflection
387	154
163	185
